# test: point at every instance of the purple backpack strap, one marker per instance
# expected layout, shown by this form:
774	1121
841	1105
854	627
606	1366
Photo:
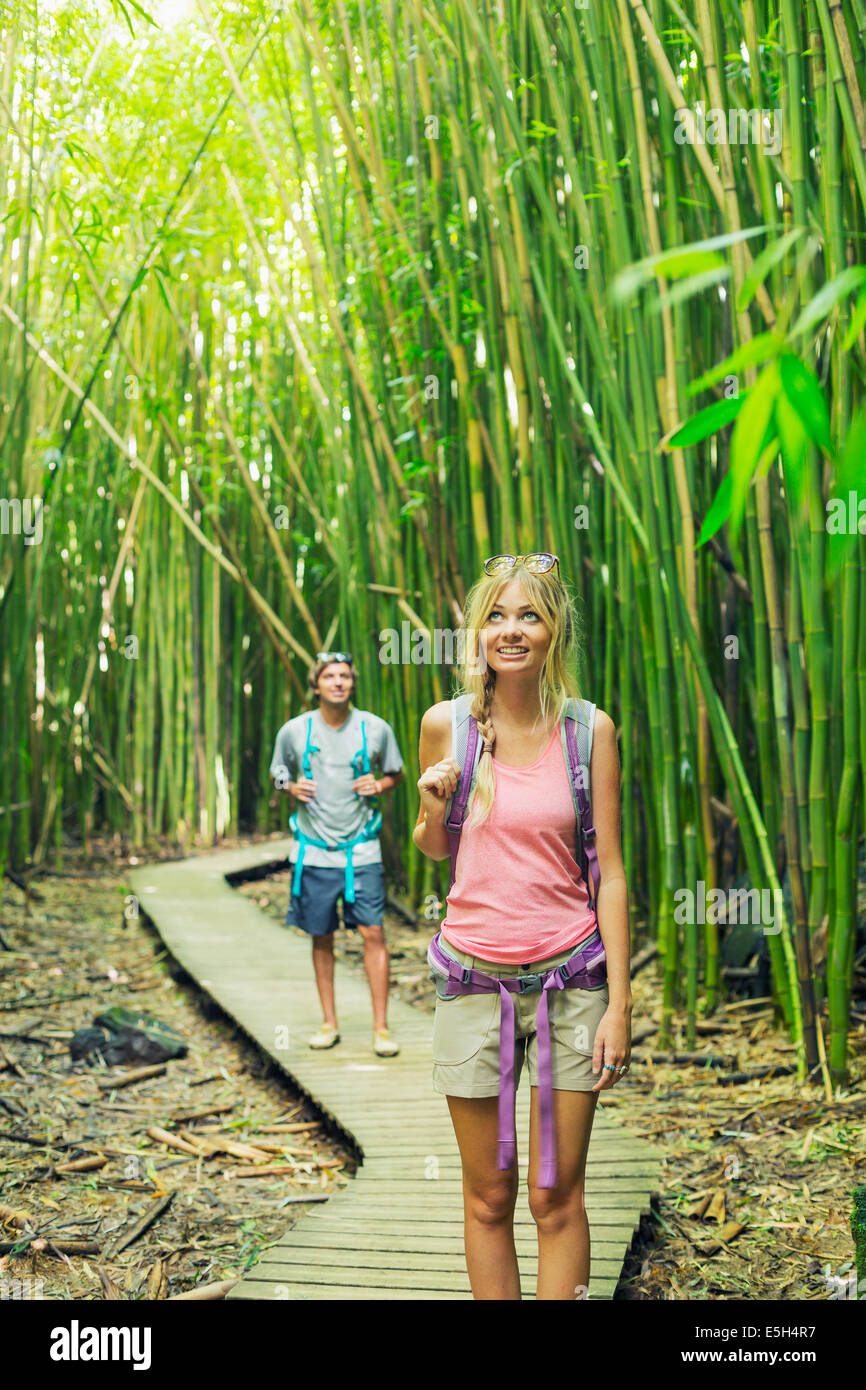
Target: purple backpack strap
454	820
588	829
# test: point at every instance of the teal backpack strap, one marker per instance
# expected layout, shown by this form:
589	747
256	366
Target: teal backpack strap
360	764
302	839
370	831
309	748
361	760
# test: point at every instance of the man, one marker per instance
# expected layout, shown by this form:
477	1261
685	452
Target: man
336	850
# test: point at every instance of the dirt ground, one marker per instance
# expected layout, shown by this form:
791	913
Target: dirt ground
757	1180
70	956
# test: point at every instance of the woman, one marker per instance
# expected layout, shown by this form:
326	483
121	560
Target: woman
519	906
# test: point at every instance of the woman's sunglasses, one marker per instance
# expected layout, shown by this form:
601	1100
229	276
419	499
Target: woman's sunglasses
334	656
535	564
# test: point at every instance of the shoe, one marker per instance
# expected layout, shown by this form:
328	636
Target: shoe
384	1044
326	1037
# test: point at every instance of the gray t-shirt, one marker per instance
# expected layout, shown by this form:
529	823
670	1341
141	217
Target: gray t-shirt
336	812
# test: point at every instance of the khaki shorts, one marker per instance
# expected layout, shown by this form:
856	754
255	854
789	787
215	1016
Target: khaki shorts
466	1032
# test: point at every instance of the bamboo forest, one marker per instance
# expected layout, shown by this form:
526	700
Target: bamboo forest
308	308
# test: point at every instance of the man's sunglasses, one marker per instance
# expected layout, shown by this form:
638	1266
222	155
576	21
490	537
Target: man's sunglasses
536	564
334	656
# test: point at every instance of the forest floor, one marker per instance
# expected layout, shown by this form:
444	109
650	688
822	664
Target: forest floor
756	1187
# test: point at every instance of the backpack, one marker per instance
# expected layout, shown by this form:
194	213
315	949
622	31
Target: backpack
577	730
360	764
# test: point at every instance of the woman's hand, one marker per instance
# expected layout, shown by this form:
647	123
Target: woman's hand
435	785
366	785
612	1047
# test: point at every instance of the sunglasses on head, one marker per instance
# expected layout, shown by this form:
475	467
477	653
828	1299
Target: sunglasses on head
539	563
334	656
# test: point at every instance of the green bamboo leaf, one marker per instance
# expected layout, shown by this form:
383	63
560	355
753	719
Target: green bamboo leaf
749	438
858	318
632	277
755	350
680	263
803	390
719	511
144	14
764	263
165	298
827	296
412	503
843	504
117	5
768	454
851	471
687	288
793	438
706	422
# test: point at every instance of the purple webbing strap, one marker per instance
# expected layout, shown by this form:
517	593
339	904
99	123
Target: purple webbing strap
507	1137
454	822
466	981
583	804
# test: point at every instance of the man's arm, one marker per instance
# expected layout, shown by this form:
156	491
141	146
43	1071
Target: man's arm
389	752
282	769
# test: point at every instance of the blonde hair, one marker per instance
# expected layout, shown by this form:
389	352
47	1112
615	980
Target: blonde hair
557	680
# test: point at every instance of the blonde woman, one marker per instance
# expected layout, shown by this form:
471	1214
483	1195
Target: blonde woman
519	926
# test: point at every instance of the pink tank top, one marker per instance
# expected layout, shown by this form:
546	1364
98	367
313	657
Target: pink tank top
518	894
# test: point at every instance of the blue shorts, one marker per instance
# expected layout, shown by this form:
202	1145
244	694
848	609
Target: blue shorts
315	911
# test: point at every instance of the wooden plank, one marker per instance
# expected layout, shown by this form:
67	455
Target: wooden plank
371	1124
385	1240
436	1169
363	1278
452	1261
387	1252
251	1289
378	1188
600	1145
598	1192
385	1165
443	1211
451	1228
446	1209
600	1151
359	1277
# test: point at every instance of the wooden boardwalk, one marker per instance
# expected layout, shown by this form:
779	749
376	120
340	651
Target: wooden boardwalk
396	1231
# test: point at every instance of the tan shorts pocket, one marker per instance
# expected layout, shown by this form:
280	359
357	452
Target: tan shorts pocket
461	1026
575	1016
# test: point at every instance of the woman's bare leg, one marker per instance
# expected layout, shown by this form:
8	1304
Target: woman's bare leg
489	1195
559	1212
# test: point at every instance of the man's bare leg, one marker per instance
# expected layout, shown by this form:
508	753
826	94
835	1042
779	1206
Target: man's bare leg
323	964
377	964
